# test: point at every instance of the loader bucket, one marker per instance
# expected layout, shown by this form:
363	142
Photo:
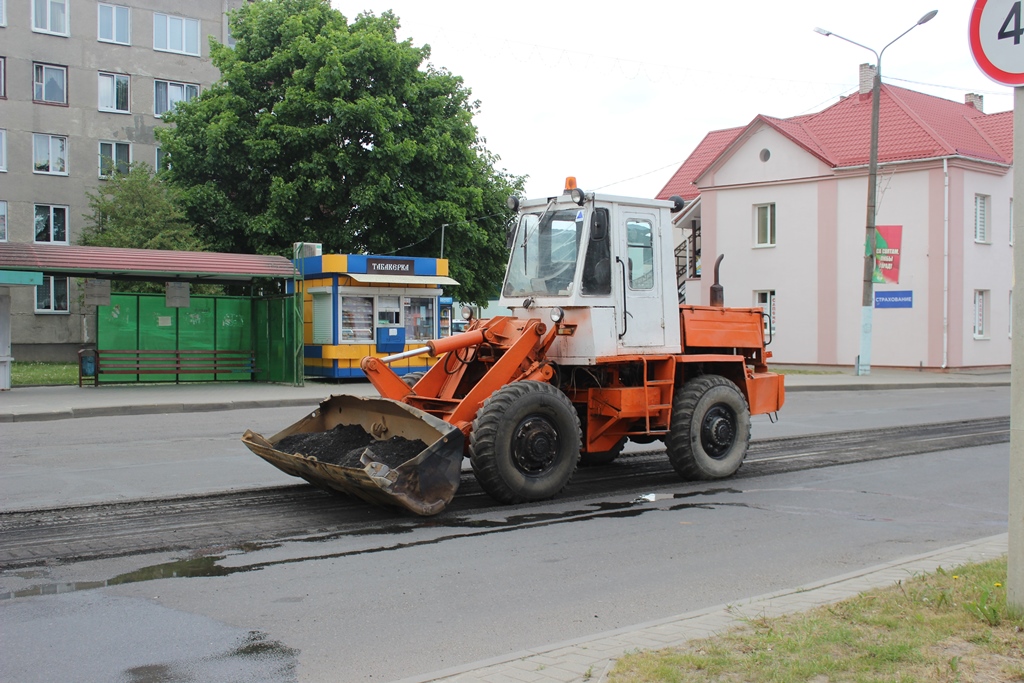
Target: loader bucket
369	447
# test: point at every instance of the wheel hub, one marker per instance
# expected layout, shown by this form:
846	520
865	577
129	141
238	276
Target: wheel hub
534	445
718	431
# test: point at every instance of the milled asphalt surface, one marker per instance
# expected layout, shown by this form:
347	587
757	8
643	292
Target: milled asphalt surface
587	659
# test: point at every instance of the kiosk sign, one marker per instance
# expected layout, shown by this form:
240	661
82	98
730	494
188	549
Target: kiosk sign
996	32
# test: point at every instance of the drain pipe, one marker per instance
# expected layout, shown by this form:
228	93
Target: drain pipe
945	263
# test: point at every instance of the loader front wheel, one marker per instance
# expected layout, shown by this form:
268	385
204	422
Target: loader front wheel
525	442
710	429
410	378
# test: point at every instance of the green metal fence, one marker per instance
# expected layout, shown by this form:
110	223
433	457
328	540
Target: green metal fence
265	326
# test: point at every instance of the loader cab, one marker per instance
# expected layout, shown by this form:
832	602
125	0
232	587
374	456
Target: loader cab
604	262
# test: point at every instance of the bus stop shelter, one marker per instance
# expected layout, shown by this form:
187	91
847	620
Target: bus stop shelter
271	281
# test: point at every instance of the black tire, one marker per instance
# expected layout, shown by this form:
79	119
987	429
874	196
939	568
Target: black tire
710	429
525	442
410	378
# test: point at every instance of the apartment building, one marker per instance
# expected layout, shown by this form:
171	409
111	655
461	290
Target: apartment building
83	87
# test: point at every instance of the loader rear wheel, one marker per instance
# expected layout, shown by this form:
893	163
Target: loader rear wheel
525	442
710	429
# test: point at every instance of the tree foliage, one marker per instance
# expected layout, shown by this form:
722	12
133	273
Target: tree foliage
138	210
321	130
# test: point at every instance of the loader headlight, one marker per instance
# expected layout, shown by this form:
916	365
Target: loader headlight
467	313
577	195
557	314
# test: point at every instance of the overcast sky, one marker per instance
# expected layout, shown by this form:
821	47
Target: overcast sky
620	93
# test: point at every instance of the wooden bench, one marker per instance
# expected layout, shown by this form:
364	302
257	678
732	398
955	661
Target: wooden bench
174	362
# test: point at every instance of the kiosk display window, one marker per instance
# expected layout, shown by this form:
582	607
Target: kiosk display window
357	318
419	318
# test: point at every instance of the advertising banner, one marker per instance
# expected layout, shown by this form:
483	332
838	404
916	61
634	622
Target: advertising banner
888	239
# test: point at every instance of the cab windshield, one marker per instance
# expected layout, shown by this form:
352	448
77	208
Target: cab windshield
544	253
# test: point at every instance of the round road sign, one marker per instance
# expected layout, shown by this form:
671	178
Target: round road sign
997	39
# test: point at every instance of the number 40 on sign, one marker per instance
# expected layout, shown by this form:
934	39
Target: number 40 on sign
995	33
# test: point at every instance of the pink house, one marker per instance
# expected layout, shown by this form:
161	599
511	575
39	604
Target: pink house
785	201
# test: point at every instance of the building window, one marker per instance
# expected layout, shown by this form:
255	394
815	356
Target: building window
114	24
419	318
357	318
3	149
765	299
1009	325
168	94
50	16
981	313
51	223
3	74
764	217
176	34
162	161
113	89
1011	221
3	12
52	295
49	154
3	221
981	218
114	157
49	84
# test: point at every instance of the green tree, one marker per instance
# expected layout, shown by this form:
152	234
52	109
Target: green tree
138	210
324	131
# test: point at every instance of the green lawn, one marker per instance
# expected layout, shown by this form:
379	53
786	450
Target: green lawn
28	374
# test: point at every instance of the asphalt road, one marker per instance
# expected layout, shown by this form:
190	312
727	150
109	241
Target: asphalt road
392	603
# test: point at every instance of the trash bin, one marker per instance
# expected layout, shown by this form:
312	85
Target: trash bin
88	366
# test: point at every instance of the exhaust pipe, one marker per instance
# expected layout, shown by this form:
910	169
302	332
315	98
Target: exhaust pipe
717	291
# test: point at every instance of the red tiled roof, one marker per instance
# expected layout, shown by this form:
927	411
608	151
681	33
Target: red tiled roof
912	126
110	262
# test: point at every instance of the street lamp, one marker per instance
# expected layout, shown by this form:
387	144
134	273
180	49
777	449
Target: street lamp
867	298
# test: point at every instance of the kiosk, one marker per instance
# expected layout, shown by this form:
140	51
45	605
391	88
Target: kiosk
358	305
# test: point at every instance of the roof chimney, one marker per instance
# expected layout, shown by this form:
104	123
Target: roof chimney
977	100
867	78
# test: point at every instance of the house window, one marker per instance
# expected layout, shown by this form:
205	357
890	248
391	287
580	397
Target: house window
3	221
49	154
114	24
981	313
113	90
357	318
175	34
419	318
981	219
49	84
50	16
168	94
3	149
3	12
52	295
764	217
162	161
765	299
114	157
51	223
640	254
3	74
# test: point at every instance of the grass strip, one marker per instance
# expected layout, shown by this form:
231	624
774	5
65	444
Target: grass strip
948	626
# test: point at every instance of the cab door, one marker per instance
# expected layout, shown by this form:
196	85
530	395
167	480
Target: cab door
640	301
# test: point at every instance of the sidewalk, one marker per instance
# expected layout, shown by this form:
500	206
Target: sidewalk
23	404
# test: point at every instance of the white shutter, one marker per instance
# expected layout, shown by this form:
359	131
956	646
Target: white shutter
323	318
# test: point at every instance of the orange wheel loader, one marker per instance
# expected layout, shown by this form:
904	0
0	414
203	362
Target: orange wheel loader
596	349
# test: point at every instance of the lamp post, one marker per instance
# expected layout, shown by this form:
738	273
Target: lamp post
867	295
